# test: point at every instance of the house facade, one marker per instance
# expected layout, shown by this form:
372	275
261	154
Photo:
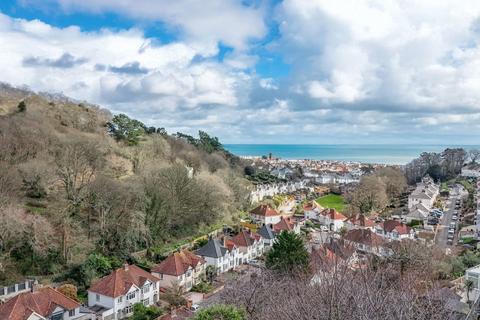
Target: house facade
183	268
113	296
331	218
268	236
425	193
286	224
265	214
223	258
367	241
395	230
359	221
250	245
44	304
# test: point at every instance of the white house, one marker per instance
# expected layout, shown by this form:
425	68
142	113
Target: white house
183	268
394	230
268	235
359	221
418	212
331	218
286	224
219	256
250	245
425	193
365	240
311	210
44	304
265	214
113	296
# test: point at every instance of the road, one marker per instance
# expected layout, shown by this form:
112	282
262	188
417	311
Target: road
442	231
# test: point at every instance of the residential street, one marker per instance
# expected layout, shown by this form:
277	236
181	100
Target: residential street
442	232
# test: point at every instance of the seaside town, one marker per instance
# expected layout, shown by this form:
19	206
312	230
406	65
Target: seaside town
239	160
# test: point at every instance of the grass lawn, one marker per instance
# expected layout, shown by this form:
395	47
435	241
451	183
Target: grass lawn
332	201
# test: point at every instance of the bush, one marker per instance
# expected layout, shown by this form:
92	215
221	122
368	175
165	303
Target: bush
202	287
22	106
220	312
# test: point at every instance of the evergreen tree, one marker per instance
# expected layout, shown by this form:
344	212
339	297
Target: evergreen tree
288	254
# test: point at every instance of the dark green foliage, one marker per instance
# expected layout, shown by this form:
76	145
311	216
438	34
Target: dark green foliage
220	312
263	177
122	128
95	266
32	261
288	254
22	106
162	131
150	130
202	287
205	142
141	312
249	170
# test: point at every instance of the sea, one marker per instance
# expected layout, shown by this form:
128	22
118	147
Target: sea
377	153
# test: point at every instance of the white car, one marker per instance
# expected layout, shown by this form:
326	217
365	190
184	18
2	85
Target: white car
194	307
324	228
451	231
454	218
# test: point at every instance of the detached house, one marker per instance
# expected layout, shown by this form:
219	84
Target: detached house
250	245
286	224
359	221
267	234
183	268
395	230
113	296
311	210
367	241
221	257
265	214
332	219
44	304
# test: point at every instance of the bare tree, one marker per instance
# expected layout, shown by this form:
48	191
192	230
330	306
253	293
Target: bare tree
474	155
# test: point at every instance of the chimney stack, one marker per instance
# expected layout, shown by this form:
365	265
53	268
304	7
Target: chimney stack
125	266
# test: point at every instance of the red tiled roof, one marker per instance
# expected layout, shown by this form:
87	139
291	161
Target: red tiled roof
245	238
285	224
264	210
42	302
364	236
361	221
178	263
403	229
333	214
229	244
121	280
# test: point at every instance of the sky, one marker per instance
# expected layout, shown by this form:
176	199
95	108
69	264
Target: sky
259	71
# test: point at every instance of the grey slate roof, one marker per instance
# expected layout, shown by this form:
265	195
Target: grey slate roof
212	249
266	232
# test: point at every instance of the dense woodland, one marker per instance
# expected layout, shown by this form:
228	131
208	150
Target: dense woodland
80	190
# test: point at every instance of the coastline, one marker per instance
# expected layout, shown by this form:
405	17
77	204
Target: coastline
362	153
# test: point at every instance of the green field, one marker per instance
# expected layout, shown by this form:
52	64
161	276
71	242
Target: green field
331	200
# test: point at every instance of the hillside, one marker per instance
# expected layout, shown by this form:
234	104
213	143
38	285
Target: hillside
80	190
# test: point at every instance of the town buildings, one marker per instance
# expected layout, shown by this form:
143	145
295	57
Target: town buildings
422	199
250	245
331	218
113	296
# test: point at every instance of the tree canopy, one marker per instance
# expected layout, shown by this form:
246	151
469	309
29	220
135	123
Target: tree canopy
288	254
122	128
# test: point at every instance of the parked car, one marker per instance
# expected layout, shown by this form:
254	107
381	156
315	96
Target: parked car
449	242
432	221
450	236
451	230
194	307
454	218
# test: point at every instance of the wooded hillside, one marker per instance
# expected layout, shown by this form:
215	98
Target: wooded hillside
80	190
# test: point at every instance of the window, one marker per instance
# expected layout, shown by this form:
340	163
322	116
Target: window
189	273
71	313
146	288
146	302
11	289
21	286
131	296
120	300
127	309
97	297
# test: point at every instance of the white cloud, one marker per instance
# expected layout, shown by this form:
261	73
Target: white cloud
113	68
203	23
417	54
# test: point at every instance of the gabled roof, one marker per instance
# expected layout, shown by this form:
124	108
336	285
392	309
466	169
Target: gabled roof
333	214
42	302
245	239
333	251
266	232
391	225
364	236
361	221
121	280
285	224
178	263
213	249
264	210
